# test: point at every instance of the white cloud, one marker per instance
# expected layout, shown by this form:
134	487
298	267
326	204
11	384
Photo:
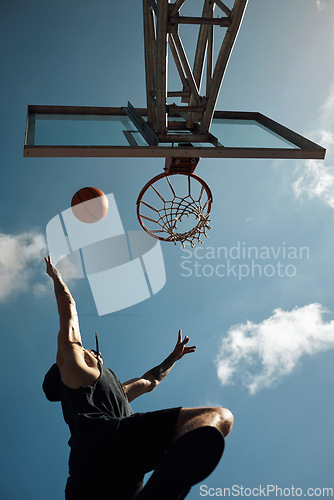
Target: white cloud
40	289
18	254
259	355
328	107
317	180
321	4
316	177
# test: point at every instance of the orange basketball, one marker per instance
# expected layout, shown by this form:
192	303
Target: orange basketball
89	205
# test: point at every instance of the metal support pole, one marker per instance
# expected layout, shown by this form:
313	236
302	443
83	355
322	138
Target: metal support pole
161	73
150	62
221	63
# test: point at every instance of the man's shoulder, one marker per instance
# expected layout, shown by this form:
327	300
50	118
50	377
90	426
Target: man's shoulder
75	372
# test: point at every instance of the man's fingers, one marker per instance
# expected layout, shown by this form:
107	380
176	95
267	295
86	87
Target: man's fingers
180	336
50	269
185	340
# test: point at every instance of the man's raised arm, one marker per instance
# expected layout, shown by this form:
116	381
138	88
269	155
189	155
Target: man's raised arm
69	333
138	386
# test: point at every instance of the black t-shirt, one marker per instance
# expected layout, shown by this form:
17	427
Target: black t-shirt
93	413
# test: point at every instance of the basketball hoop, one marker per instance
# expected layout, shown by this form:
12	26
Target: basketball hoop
171	217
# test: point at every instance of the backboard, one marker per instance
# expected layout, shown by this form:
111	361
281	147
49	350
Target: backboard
75	131
180	132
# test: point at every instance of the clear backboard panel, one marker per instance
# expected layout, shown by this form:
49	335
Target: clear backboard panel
72	131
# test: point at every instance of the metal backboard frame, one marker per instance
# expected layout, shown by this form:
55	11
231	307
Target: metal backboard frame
178	141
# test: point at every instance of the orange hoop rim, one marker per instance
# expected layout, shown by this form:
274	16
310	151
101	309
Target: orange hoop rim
161	176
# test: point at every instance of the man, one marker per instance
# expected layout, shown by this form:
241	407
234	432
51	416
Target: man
111	447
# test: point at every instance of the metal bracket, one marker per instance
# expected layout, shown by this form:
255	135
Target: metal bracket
141	125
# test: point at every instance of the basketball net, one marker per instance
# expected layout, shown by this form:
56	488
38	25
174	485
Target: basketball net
164	222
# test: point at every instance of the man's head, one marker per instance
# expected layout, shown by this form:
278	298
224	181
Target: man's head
51	383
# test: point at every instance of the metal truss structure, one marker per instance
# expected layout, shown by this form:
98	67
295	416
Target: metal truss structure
162	20
190	129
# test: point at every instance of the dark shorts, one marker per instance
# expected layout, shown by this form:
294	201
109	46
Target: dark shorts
120	462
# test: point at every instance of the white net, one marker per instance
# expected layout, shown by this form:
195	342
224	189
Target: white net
182	217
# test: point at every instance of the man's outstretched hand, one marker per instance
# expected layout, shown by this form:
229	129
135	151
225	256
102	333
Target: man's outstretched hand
51	270
181	349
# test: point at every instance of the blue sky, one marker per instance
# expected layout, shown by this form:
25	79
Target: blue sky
265	343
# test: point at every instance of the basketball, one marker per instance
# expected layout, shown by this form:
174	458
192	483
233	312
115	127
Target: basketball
89	205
